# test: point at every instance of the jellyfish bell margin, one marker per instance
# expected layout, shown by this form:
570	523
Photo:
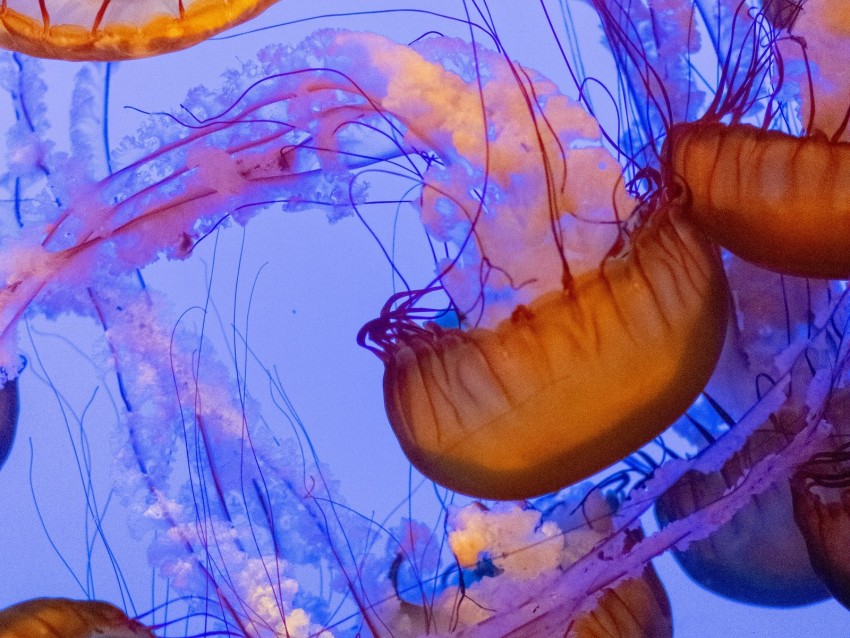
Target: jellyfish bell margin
822	512
116	29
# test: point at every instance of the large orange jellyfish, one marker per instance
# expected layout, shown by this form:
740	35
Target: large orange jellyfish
507	406
116	29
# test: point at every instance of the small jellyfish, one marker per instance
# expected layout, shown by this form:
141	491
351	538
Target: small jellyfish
9	407
821	496
117	29
63	618
758	557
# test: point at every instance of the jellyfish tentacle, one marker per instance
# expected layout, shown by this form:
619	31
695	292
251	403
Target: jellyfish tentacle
9	409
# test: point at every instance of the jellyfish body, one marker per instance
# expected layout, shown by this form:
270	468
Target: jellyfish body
63	618
758	557
116	29
637	607
515	412
775	200
9	409
821	498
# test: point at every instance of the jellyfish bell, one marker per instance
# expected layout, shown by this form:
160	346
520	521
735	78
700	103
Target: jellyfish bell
64	618
773	199
117	29
821	498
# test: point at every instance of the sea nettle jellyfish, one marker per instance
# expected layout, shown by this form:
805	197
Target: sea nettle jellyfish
772	198
555	296
117	29
62	618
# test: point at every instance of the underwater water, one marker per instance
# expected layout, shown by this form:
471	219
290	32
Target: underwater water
279	303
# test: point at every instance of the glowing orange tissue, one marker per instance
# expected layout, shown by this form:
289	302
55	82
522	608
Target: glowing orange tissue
778	201
116	29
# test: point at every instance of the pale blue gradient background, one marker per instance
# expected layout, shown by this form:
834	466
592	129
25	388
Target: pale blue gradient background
317	284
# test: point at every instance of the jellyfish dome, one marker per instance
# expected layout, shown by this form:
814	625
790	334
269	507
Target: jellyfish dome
117	29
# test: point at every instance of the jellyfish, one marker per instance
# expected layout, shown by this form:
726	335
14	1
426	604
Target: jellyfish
820	508
507	410
769	196
63	618
240	515
117	30
739	560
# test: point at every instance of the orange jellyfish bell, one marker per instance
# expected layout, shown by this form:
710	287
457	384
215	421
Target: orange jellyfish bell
572	383
821	495
63	618
775	200
117	29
